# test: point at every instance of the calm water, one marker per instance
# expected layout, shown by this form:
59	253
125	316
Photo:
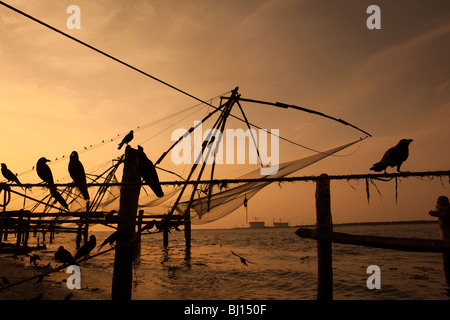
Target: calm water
284	265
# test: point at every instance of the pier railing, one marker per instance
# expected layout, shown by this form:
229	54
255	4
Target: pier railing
325	236
22	221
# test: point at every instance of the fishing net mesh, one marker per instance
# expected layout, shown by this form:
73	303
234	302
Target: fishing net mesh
206	209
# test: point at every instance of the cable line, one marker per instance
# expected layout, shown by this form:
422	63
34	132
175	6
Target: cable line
143	72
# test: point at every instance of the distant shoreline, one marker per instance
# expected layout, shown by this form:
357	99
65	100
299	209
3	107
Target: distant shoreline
386	223
335	224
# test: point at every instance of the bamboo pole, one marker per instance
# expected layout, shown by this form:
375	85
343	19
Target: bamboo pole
129	196
324	250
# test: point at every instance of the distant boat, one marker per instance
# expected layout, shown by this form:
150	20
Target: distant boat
256	224
281	224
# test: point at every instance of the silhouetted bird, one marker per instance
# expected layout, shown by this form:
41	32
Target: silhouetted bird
147	172
34	258
76	171
126	139
58	197
86	248
111	239
149	225
109	217
64	256
394	157
9	175
243	260
44	172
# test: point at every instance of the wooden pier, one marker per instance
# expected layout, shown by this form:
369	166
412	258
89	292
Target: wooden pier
325	236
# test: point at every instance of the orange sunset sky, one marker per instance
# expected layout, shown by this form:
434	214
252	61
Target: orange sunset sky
57	96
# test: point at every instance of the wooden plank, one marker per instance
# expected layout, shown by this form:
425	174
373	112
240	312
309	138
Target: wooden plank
395	243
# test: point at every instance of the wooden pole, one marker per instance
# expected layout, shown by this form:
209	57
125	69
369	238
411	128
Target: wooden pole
165	237
2	218
78	237
27	232
19	230
129	197
3	229
324	229
187	229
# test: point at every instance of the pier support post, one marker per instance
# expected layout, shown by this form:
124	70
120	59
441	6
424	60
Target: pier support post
126	237
324	232
19	229
165	237
187	229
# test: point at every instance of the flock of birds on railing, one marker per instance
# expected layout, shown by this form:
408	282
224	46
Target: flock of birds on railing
76	170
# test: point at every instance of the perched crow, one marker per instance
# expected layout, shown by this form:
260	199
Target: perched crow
111	239
147	171
9	175
64	256
76	171
149	225
86	248
126	139
58	197
394	157
43	171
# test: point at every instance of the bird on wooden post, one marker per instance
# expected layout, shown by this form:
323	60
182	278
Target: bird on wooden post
64	256
77	173
86	248
126	139
44	172
9	175
393	157
147	171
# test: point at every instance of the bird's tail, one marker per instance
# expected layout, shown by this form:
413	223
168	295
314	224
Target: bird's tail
120	146
378	167
85	193
58	197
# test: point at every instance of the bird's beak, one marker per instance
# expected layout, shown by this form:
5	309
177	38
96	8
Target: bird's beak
411	140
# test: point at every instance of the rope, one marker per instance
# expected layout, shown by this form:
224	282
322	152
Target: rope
377	176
